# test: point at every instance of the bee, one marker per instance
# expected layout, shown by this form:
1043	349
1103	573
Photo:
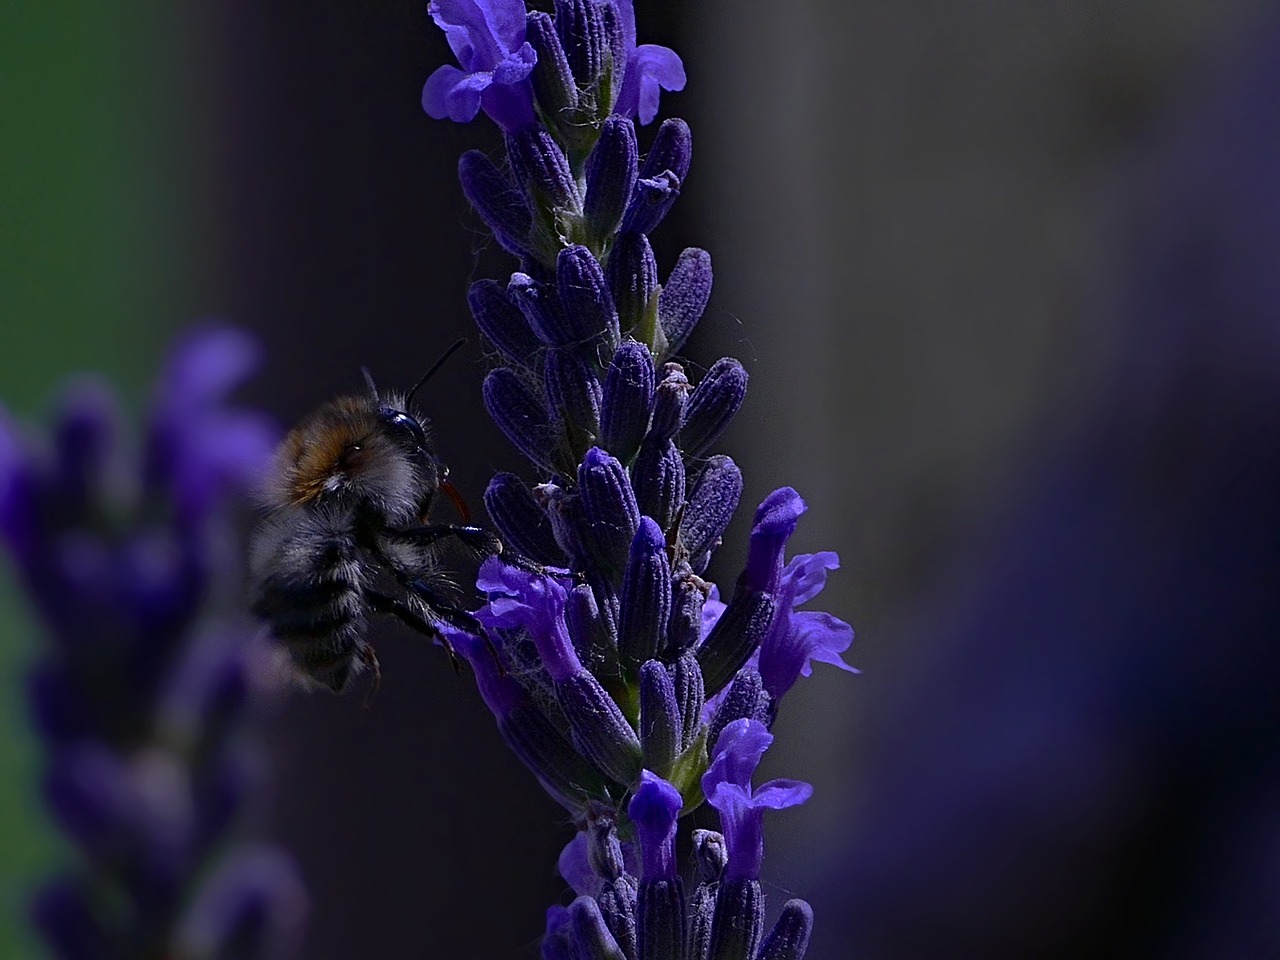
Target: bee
347	535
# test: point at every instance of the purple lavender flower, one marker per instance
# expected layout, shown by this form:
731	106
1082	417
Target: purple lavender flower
614	667
139	700
487	36
649	70
736	923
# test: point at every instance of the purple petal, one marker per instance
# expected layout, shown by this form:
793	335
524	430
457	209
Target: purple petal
780	794
775	522
711	610
451	93
654	809
480	32
796	639
736	755
574	865
535	602
742	819
806	575
650	70
824	637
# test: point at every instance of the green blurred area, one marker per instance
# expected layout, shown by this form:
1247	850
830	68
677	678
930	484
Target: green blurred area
101	166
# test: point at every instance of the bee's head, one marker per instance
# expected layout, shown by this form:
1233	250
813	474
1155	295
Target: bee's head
363	452
369	453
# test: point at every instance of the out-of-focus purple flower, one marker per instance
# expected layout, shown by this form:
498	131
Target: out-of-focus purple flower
488	38
140	703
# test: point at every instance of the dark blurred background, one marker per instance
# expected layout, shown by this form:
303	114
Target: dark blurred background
1002	275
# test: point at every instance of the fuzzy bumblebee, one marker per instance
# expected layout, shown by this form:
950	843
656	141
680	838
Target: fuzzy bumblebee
347	535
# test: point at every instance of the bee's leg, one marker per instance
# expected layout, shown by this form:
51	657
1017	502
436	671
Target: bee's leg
454	616
398	608
371	661
474	538
521	562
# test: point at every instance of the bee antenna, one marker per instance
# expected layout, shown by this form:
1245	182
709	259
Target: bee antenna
368	378
457	345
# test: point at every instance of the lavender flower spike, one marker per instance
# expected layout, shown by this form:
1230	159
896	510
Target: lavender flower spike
612	670
140	702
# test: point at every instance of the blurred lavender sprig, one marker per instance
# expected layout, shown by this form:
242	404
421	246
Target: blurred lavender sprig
620	678
140	691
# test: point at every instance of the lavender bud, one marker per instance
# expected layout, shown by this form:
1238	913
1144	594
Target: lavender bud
627	400
519	414
660	919
670	399
552	79
609	508
604	851
658	479
617	47
557	941
607	603
651	199
739	920
661	176
672	150
789	938
594	634
502	322
253	906
690	696
611	176
712	405
567	523
618	907
633	278
582	35
736	634
591	935
599	728
709	855
524	525
745	699
500	205
541	309
573	391
543	171
646	596
588	304
661	730
702	909
684	297
710	506
563	772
